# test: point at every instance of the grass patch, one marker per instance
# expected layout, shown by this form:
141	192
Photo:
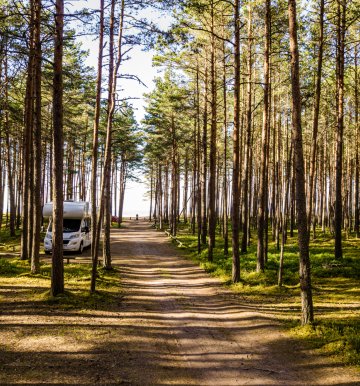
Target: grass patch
340	337
9	243
26	287
9	268
336	290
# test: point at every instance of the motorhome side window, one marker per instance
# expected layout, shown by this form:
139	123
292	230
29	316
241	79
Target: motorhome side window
85	224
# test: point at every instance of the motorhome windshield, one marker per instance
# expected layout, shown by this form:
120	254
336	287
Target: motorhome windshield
70	225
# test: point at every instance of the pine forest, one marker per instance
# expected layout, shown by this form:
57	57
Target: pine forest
247	147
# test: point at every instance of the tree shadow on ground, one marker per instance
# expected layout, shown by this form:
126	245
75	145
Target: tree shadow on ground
174	325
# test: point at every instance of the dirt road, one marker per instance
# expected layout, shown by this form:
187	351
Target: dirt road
186	330
174	326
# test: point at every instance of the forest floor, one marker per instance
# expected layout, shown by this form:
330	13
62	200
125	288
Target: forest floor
169	323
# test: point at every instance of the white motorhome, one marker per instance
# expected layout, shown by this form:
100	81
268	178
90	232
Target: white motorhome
76	224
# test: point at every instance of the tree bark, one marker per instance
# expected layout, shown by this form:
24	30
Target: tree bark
225	180
28	122
105	189
212	174
9	152
160	197
122	191
174	184
341	18
264	144
356	193
35	255
311	215
198	155
236	150
57	270
95	144
248	139
204	161
151	191
186	186
303	235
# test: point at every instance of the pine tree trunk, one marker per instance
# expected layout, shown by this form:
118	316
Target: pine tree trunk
311	215
31	167
286	186
225	180
198	155
194	175
106	185
212	174
9	153
35	255
186	186
70	169
264	145
160	198
340	127
248	140
28	118
174	184
1	179
83	167
95	144
357	166
122	191
155	197
3	187
57	271
303	235
151	191
236	150
166	194
178	189
2	57
204	162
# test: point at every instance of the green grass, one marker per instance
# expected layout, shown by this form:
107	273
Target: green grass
9	243
116	225
15	273
337	336
36	288
336	289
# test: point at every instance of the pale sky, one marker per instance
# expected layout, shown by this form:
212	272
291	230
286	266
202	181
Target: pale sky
140	64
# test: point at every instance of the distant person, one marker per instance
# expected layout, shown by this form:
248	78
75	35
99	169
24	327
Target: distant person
137	217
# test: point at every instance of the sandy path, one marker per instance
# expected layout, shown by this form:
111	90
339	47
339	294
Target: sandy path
188	330
174	326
